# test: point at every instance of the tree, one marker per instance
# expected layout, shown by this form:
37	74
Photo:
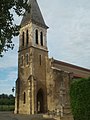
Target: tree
7	99
8	29
80	99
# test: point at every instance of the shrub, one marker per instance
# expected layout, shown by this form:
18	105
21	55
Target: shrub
80	99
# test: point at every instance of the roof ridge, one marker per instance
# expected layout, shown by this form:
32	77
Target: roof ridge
71	65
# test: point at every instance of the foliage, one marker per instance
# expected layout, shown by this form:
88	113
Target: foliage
7	27
80	99
7	99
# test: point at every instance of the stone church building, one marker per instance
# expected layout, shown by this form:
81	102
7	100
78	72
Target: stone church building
43	83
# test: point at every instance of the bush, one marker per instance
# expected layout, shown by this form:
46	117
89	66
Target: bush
80	99
7	100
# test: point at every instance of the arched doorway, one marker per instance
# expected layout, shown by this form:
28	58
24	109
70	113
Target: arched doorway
40	101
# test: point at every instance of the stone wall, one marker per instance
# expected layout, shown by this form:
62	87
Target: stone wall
58	84
77	71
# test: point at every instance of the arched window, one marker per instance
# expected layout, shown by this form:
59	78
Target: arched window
41	38
36	36
23	39
27	59
24	98
40	59
27	37
22	62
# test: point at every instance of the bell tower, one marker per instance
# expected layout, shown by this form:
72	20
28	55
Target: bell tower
31	92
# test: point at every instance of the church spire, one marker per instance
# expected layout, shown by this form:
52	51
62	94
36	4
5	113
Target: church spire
34	15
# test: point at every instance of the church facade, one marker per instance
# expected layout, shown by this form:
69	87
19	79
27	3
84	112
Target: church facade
43	83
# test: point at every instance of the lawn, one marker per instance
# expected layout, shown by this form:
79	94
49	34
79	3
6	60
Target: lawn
7	107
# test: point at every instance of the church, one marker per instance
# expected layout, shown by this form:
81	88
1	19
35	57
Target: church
43	83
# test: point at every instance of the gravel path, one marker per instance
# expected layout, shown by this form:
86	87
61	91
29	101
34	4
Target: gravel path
11	116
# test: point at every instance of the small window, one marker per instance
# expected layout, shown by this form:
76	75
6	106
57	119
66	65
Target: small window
24	98
22	62
27	59
27	37
40	59
36	36
41	38
23	39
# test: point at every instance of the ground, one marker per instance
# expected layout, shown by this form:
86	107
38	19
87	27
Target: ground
11	116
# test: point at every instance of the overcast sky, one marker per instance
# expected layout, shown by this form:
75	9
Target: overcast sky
68	37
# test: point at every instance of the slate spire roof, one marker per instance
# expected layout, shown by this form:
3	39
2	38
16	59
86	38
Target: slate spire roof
34	15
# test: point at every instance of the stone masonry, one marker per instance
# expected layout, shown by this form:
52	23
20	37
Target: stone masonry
43	83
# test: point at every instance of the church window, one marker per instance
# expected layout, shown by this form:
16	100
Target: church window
22	62
24	98
40	59
27	37
27	59
36	36
23	39
41	38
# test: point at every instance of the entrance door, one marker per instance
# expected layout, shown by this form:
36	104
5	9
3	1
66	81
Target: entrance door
40	101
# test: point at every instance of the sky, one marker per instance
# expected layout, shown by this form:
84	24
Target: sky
68	38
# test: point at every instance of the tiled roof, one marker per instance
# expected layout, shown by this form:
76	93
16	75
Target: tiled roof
70	65
34	15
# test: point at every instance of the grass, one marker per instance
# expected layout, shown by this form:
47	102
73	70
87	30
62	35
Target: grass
7	107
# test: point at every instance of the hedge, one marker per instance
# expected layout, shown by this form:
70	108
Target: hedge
80	99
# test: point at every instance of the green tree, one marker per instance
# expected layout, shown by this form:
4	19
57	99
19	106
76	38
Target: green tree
8	29
11	100
80	99
7	99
